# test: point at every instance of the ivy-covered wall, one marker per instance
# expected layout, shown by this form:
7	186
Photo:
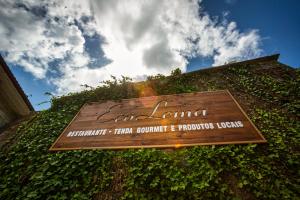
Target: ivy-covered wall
267	91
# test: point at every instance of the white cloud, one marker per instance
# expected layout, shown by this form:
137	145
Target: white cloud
141	38
33	41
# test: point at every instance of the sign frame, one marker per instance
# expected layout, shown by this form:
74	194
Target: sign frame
262	140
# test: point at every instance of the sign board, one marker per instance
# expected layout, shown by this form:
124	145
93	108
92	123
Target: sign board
203	118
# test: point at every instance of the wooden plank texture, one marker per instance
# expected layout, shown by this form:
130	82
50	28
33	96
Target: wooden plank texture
202	118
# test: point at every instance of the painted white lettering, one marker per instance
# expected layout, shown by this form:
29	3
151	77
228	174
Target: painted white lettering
233	124
240	124
69	134
172	128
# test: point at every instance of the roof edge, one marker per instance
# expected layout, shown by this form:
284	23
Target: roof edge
273	57
16	83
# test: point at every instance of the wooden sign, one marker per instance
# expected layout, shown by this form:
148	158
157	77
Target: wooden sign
203	118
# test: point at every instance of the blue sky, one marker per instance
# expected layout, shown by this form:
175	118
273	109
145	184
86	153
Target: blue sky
278	22
55	47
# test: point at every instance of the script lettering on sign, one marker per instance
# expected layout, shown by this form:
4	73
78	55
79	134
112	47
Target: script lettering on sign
152	115
201	118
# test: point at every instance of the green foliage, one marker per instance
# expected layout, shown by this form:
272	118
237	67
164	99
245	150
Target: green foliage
265	171
29	171
174	84
283	91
